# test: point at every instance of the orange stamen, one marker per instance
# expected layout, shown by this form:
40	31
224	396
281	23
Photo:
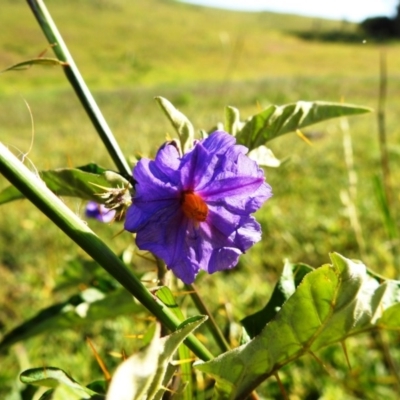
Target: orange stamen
194	207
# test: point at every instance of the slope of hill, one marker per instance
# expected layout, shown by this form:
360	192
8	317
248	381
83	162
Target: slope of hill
118	43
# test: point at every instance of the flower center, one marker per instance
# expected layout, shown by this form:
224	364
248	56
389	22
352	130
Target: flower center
194	207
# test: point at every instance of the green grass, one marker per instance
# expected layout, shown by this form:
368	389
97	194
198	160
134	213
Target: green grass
200	59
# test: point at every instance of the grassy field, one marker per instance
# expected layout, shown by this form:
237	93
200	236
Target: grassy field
200	59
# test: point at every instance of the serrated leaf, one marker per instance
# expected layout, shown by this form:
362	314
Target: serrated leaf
276	120
291	276
35	61
53	377
74	182
90	305
332	303
180	122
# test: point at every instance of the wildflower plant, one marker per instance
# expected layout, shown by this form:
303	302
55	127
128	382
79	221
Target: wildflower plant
191	208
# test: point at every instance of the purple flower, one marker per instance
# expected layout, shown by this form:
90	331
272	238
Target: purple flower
99	211
193	211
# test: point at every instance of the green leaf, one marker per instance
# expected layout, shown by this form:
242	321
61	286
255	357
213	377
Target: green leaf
35	61
146	374
74	182
292	275
63	392
53	377
232	123
90	305
331	303
167	297
92	168
168	347
390	319
180	122
275	120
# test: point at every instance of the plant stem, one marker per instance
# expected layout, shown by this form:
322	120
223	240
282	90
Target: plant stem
382	128
349	197
387	195
214	328
74	77
36	191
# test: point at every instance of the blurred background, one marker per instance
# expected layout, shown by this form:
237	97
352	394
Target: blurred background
329	193
353	10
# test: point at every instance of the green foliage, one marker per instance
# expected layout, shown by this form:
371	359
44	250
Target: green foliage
260	128
181	124
232	123
332	303
90	305
275	121
87	182
167	297
143	375
52	377
292	275
74	227
84	182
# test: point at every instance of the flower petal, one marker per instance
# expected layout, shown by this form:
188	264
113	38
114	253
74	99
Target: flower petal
144	212
164	235
237	186
218	142
232	187
168	157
